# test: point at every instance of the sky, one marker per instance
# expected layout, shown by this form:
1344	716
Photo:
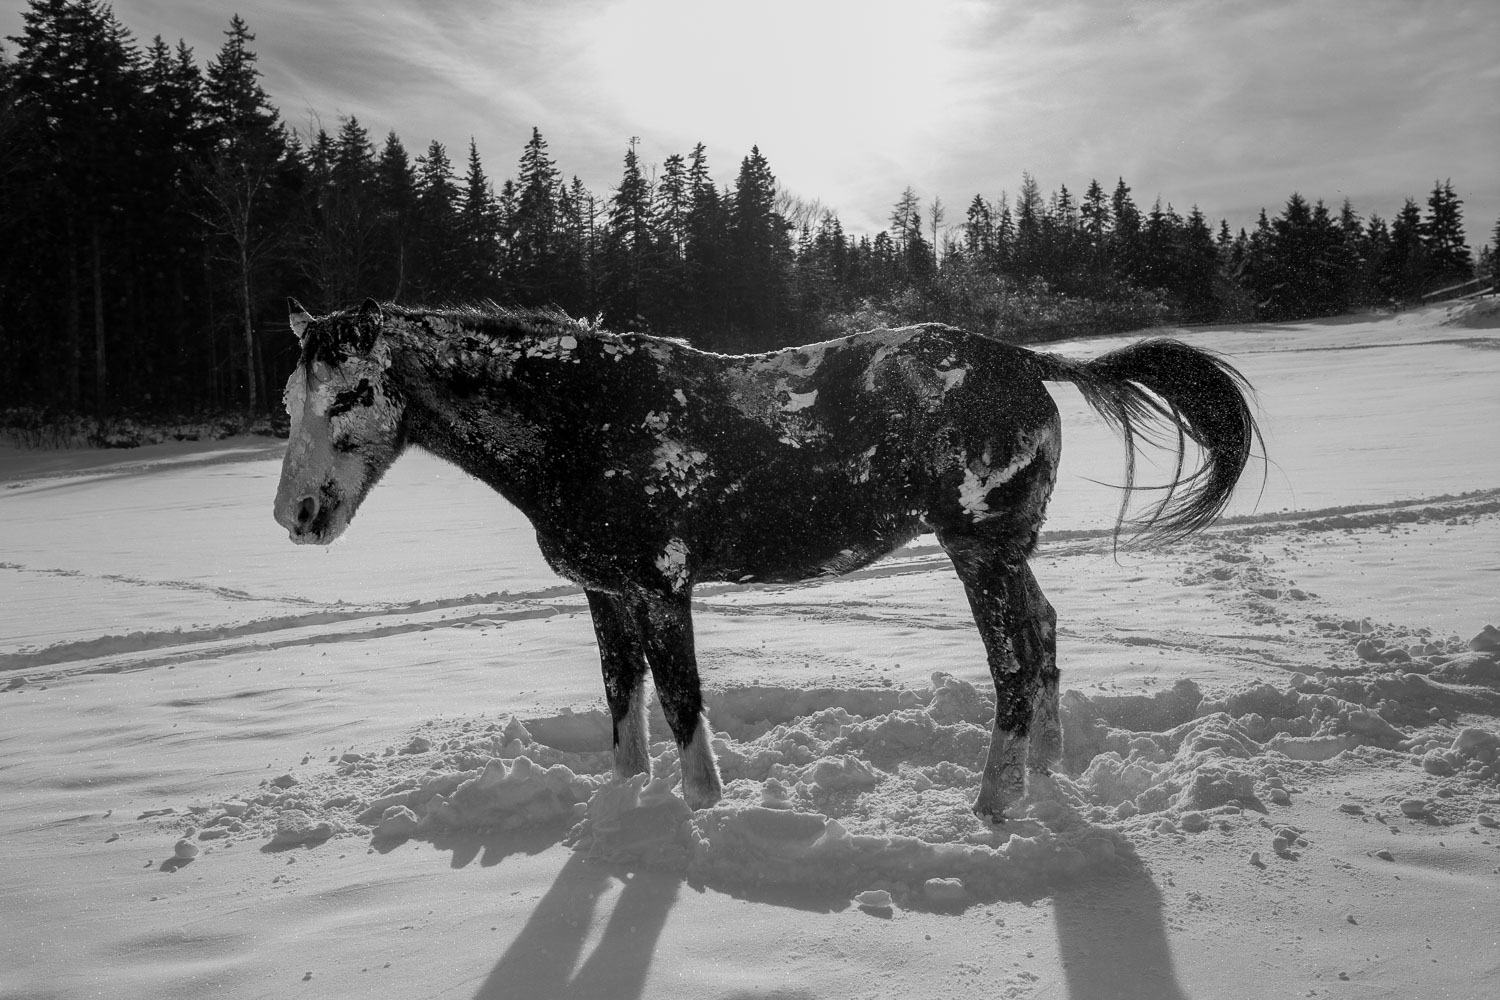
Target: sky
1230	106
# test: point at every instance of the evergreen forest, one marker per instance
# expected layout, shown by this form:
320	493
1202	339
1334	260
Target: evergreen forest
156	212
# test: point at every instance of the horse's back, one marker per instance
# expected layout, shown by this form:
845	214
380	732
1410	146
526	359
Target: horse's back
839	452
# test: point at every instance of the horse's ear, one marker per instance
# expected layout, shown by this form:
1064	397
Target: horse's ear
298	318
367	323
370	315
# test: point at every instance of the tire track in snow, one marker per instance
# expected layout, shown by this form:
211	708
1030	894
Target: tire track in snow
187	586
144	650
1478	503
1479	343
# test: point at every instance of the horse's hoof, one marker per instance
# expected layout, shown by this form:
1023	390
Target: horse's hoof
990	815
701	799
624	772
1041	786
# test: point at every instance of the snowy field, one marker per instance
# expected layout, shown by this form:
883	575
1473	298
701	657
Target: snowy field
231	766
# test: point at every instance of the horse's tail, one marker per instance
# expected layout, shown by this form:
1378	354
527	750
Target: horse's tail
1192	392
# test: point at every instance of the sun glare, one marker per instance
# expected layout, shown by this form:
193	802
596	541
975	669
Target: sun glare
809	82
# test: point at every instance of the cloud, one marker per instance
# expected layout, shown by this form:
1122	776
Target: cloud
1231	106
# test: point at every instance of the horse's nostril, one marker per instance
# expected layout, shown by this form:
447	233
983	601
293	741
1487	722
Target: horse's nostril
307	509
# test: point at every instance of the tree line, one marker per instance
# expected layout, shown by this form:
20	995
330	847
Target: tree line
155	214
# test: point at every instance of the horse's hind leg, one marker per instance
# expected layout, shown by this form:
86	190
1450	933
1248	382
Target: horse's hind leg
666	625
623	660
1019	630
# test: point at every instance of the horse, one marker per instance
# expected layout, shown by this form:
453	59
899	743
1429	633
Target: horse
647	466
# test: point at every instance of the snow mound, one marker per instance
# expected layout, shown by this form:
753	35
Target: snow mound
1178	759
829	799
1479	314
644	823
824	798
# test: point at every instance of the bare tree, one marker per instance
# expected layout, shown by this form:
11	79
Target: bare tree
938	213
234	180
797	211
905	215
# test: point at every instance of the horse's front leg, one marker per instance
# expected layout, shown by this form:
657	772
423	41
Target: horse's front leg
623	659
666	625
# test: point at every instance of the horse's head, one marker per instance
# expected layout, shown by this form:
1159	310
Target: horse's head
347	421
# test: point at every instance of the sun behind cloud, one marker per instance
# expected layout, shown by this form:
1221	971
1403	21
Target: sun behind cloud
817	84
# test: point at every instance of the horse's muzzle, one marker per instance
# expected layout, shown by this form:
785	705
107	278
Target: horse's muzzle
300	520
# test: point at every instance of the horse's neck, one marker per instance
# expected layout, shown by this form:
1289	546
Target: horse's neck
496	430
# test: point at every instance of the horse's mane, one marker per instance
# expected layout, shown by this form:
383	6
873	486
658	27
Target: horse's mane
495	320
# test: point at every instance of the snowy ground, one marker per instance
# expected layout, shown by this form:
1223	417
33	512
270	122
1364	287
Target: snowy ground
233	766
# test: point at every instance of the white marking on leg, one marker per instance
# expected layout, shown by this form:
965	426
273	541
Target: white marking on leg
1046	730
701	785
633	738
1004	781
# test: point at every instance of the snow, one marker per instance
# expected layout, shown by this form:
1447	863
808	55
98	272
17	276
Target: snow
235	766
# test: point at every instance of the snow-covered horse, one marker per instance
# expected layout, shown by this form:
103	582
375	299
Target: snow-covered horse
647	466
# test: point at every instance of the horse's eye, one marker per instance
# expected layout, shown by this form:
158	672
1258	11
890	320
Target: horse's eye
345	444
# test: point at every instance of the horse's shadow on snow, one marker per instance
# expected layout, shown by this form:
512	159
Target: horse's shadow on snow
1112	938
1111	929
542	960
491	848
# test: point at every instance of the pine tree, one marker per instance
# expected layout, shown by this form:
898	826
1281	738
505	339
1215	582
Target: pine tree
705	250
1255	274
831	252
241	110
248	145
1198	270
627	247
672	204
532	260
1494	271
577	214
1406	265
1096	221
18	212
1352	252
1005	236
480	222
396	220
174	139
1377	250
176	96
979	234
758	242
917	256
339	252
1029	255
439	238
1303	275
354	157
1124	241
1157	264
1448	258
80	71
